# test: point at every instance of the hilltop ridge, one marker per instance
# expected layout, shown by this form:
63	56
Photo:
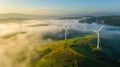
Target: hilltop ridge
76	52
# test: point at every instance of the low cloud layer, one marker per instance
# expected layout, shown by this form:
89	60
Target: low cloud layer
18	43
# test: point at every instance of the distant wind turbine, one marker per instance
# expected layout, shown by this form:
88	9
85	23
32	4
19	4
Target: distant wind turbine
20	23
66	35
98	34
66	32
84	26
65	29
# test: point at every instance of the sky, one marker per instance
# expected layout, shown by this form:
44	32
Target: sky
60	7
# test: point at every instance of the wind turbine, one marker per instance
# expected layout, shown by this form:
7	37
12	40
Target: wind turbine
65	29
84	26
66	32
66	35
98	34
20	23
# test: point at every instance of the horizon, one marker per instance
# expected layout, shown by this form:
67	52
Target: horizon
61	7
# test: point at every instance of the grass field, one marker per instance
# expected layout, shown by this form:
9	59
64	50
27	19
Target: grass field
77	52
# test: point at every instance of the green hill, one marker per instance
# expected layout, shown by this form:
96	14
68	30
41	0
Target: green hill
108	20
76	52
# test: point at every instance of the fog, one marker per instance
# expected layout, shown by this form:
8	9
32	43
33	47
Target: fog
18	45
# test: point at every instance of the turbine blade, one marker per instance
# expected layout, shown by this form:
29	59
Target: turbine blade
95	31
101	28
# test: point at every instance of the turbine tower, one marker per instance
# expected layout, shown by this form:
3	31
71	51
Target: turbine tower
98	34
66	32
66	36
84	26
20	23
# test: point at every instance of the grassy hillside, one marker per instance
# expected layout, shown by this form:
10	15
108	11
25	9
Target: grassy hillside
77	52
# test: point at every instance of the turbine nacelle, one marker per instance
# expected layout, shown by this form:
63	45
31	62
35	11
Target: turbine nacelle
95	31
99	29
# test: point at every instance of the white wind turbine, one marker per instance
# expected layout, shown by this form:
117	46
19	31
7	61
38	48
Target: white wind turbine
66	32
84	26
98	34
66	35
20	23
65	28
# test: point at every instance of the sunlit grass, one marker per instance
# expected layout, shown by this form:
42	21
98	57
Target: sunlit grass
78	52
